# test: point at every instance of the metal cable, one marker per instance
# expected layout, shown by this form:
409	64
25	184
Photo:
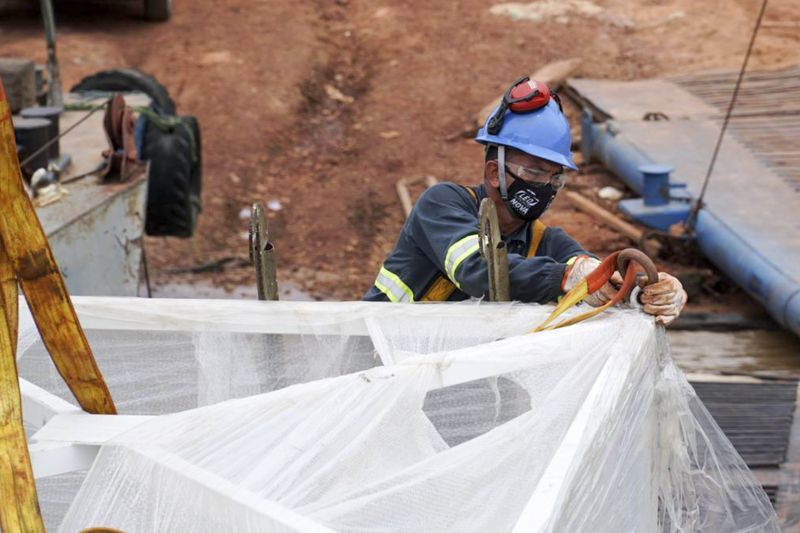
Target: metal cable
95	170
699	203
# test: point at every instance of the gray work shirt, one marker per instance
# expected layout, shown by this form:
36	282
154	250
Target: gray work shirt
440	239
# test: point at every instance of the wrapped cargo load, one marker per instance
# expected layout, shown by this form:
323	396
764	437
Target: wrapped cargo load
294	416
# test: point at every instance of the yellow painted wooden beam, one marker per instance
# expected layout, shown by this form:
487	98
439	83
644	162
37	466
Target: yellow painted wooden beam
9	295
41	281
19	506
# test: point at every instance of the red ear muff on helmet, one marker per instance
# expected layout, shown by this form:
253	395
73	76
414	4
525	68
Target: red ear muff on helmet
528	95
524	95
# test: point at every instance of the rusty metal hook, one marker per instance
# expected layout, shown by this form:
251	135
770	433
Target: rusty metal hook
632	255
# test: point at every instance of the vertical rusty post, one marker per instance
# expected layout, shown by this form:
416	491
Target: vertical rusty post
262	255
54	95
494	251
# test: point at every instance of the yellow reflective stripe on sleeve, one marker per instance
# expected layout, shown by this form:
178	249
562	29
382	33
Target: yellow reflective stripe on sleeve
456	254
393	287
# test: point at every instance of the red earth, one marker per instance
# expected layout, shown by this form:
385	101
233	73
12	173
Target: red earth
321	106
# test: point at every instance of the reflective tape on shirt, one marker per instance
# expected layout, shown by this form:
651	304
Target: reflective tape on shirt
456	254
393	287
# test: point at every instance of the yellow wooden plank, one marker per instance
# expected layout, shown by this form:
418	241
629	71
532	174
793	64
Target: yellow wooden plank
19	506
41	281
9	294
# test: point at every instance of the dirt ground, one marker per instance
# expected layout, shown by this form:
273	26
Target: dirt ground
318	107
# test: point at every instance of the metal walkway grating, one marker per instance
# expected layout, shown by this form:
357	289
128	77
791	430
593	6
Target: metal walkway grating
766	117
756	417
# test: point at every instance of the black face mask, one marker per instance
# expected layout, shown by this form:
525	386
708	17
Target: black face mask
527	201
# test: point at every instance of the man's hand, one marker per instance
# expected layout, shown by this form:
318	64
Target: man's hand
582	267
664	299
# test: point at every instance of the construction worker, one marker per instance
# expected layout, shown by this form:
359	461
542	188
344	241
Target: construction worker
436	258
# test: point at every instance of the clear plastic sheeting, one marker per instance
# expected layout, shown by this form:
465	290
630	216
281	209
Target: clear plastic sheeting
370	417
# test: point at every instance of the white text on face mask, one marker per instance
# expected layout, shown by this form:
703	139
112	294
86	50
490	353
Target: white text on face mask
524	201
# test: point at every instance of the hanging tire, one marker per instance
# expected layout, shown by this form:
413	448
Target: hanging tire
174	186
157	10
129	80
197	155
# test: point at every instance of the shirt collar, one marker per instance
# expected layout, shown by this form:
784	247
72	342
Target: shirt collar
520	235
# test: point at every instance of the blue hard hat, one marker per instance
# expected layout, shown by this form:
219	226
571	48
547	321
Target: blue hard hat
542	133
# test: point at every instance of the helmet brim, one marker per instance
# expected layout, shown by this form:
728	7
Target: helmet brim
530	149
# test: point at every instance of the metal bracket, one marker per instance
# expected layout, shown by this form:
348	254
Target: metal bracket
262	255
494	251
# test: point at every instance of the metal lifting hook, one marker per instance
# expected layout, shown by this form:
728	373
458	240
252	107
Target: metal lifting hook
624	260
494	251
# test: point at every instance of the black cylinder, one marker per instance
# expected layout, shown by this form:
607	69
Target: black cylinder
31	134
52	114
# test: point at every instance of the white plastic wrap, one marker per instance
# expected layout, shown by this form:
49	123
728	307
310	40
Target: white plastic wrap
282	419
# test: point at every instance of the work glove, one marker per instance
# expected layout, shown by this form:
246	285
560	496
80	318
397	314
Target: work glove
664	299
582	267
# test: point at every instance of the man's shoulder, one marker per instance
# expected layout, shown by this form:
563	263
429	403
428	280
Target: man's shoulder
450	194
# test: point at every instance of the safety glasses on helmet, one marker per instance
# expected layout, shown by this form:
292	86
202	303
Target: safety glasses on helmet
535	176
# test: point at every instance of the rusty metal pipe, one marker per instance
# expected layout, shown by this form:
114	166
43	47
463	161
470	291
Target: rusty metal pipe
262	255
54	95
